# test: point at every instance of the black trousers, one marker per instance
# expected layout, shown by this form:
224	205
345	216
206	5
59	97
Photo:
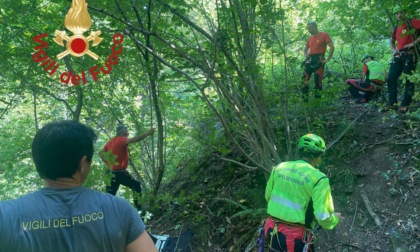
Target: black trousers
356	92
124	178
401	64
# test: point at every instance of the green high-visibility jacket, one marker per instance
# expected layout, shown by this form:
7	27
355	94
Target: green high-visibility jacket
297	192
376	70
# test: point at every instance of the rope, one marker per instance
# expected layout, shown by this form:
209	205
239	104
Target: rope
309	239
273	233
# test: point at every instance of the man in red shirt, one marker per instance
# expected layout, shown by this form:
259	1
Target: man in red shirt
118	146
314	52
404	44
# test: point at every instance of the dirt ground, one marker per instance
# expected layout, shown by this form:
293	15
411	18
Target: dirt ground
381	151
385	163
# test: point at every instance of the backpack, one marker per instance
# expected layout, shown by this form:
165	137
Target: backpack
376	71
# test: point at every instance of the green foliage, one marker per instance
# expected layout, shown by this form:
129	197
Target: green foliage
228	81
109	158
231	202
345	178
252	214
17	171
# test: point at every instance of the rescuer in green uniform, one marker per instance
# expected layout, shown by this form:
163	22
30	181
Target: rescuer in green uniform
298	193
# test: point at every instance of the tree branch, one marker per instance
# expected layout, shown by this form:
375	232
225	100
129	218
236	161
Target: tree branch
240	164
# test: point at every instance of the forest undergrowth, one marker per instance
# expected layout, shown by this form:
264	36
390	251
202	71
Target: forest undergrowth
374	173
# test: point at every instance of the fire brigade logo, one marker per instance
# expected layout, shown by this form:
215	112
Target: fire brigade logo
78	22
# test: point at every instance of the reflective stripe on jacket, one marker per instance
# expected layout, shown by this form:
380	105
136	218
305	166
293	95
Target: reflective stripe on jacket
296	191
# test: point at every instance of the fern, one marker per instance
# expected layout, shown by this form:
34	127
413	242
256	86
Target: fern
232	202
345	178
260	212
244	240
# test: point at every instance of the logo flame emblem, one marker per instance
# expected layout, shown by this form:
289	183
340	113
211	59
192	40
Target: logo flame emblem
77	21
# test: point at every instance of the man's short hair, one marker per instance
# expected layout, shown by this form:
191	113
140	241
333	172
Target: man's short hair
120	128
367	56
58	147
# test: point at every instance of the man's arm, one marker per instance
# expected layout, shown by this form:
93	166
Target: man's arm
331	51
101	155
142	244
140	137
412	44
415	29
392	45
323	205
306	52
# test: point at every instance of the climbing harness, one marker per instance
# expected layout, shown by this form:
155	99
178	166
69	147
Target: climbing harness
314	61
308	236
272	234
308	239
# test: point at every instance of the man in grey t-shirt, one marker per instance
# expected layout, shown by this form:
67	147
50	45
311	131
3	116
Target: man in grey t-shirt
64	216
